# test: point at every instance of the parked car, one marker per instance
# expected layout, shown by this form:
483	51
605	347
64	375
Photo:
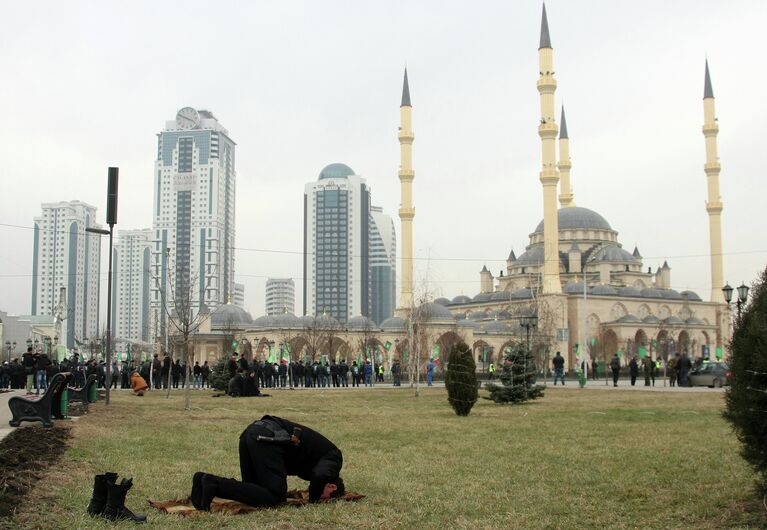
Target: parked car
711	374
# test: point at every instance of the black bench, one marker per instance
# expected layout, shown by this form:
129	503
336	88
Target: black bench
43	408
82	395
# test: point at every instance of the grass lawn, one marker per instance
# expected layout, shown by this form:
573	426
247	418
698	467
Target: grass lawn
575	459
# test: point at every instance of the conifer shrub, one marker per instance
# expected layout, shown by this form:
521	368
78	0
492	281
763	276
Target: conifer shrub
219	374
746	399
461	379
517	378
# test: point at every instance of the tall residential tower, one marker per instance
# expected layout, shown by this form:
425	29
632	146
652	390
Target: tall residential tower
194	205
130	290
65	270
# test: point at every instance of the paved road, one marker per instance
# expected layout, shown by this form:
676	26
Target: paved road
5	412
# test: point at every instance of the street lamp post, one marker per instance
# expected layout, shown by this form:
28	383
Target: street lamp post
10	346
112	180
742	296
528	322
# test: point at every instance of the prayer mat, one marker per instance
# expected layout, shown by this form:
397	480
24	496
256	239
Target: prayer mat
184	508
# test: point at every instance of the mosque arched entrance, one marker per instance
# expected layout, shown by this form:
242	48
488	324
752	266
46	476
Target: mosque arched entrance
610	345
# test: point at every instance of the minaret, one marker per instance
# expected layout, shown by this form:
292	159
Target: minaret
564	166
714	204
549	175
406	210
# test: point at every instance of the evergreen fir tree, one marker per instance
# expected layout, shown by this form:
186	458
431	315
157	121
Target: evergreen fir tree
219	374
461	379
518	378
747	396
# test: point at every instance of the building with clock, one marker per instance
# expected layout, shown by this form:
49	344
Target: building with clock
192	244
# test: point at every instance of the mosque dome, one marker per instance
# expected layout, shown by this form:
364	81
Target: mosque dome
670	294
393	324
532	256
468	324
336	171
431	312
286	321
482	297
629	291
691	296
651	319
613	253
230	315
628	319
603	290
673	320
576	218
573	288
477	315
462	299
360	322
264	321
695	321
522	294
649	292
442	301
320	321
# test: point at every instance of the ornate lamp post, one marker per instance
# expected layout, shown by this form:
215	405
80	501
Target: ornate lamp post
528	322
10	346
742	296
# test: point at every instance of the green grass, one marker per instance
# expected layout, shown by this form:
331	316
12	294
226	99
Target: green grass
575	459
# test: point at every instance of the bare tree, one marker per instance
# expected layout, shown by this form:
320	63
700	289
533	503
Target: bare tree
183	313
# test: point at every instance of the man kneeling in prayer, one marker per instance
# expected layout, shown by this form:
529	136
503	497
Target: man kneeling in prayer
271	449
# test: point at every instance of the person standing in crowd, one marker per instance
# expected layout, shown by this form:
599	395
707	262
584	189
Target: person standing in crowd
43	364
368	371
205	373
282	372
430	372
343	373
175	372
308	374
125	375
633	370
558	362
115	374
355	374
28	361
491	372
594	370
671	368
615	366
684	367
5	375
396	370
648	367
197	372
157	372
166	366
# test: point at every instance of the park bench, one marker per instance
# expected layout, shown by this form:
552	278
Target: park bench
43	408
82	394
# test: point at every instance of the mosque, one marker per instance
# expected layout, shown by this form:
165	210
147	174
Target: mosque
574	289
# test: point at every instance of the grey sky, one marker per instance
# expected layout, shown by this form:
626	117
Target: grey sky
86	85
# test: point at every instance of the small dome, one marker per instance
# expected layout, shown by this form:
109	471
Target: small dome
628	319
500	296
576	218
651	319
431	312
461	299
264	321
287	321
573	288
496	326
649	292
335	171
522	294
320	322
360	322
230	315
691	296
500	314
695	321
629	291
533	256
468	324
476	315
673	320
393	324
482	297
603	290
670	294
442	301
613	254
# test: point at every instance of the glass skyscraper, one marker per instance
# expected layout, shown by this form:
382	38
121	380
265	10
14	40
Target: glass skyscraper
194	206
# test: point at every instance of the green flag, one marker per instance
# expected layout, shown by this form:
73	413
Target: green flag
593	341
270	360
387	346
435	351
620	354
642	352
719	353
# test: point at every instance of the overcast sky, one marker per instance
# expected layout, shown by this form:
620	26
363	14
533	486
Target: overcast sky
87	85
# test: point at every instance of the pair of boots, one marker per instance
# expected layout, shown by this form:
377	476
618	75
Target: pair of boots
108	498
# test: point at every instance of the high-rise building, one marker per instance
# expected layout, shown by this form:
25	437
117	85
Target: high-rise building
336	251
238	295
280	296
194	200
383	265
65	269
130	290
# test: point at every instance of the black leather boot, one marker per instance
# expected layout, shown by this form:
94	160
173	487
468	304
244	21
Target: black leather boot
196	496
115	508
209	490
99	498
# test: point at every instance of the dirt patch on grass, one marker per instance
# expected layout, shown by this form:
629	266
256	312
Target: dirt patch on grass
25	455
